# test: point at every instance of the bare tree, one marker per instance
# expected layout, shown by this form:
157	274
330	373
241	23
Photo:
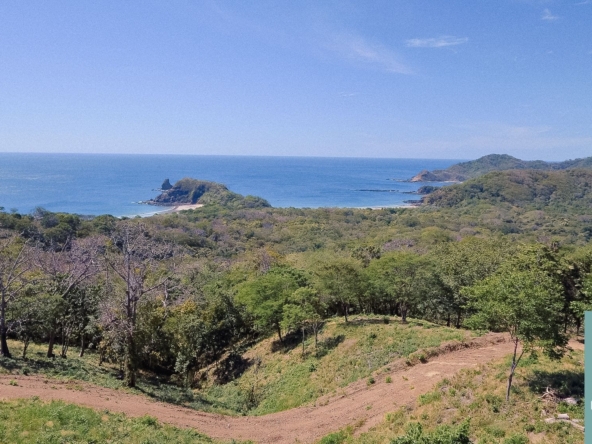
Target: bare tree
66	268
143	266
14	265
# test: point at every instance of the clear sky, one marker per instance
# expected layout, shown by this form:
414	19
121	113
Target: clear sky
395	78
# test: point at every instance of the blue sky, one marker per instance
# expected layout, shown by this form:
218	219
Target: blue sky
405	78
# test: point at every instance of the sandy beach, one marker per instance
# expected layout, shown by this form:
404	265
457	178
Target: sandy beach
178	208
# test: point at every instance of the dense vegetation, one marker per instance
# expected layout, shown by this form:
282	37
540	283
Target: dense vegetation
495	162
533	190
183	295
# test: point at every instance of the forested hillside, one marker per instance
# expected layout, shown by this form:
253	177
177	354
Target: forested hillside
523	188
495	162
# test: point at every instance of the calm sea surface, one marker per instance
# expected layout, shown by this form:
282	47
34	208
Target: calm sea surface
96	184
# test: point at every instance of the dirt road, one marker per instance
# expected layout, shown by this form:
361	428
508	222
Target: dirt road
357	404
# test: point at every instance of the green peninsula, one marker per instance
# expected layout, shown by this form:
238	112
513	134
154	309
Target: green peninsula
495	162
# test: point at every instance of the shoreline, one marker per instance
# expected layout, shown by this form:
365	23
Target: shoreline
178	208
185	207
167	210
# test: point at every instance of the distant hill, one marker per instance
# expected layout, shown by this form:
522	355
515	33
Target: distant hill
192	191
520	188
495	162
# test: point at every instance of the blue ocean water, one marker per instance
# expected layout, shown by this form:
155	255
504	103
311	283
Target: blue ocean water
94	184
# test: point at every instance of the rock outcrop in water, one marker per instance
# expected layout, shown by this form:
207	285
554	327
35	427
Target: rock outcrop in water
192	191
166	185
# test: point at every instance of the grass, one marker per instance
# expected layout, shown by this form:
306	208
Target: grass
284	379
35	421
278	377
74	368
479	395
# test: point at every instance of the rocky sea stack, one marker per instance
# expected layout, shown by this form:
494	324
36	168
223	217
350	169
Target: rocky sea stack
189	191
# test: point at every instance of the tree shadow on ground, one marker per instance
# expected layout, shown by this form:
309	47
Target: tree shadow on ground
565	382
328	344
231	368
50	366
174	395
289	342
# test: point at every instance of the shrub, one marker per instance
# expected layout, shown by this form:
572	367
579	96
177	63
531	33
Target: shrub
442	435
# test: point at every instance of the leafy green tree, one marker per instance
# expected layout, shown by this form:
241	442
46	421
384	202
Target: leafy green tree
342	281
575	270
407	278
27	316
304	311
366	253
462	264
524	300
188	333
266	296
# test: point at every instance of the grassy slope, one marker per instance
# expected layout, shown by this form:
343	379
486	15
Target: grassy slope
277	377
285	378
479	395
35	421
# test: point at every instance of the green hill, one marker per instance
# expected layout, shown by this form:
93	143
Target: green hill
192	191
519	188
495	162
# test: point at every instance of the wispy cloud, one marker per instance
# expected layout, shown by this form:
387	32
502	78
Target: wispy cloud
358	49
438	42
547	15
480	138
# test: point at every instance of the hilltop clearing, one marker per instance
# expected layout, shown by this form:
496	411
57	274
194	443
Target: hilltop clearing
495	162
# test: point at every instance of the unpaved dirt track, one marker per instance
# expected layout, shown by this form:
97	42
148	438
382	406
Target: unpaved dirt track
357	403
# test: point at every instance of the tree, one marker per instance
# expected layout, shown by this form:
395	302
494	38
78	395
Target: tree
341	280
266	296
14	265
142	266
303	311
525	301
407	278
188	333
576	275
27	314
461	264
66	268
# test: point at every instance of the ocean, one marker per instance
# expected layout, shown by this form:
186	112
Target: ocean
94	184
